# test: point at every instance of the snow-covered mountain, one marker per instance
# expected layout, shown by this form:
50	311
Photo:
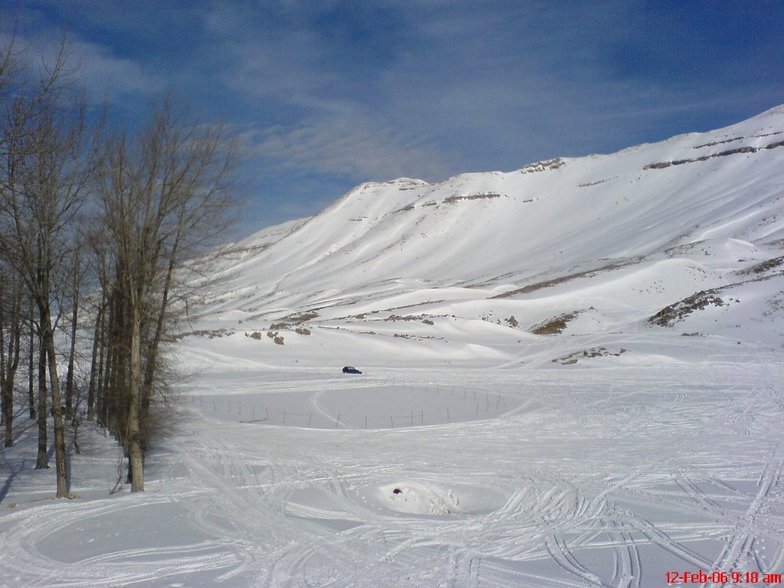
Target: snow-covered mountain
519	266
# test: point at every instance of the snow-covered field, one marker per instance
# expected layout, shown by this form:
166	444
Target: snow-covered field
572	376
605	476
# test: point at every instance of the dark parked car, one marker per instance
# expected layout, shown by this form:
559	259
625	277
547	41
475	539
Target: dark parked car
350	369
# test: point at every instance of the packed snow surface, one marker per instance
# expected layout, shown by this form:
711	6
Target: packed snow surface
571	378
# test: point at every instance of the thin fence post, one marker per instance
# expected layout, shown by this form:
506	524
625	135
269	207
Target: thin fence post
337	421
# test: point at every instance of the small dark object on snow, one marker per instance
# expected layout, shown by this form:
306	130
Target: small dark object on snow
397	491
351	370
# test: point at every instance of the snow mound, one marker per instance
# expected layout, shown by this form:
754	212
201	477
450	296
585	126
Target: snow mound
425	498
418	498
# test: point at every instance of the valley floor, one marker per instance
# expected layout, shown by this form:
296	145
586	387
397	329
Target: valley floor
561	476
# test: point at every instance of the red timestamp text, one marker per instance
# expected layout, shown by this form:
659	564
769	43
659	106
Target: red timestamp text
719	577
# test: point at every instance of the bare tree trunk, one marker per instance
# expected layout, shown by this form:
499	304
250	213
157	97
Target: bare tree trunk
2	333
60	454
69	379
104	375
96	362
42	461
110	352
134	432
5	410
8	412
115	397
31	371
12	363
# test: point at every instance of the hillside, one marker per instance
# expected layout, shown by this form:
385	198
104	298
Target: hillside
478	265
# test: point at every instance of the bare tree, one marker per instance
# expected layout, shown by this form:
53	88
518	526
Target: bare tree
43	185
161	195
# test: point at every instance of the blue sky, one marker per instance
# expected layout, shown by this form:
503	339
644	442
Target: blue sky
325	94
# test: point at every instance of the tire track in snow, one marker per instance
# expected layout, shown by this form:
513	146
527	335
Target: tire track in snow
271	551
22	555
659	537
564	557
628	568
740	545
253	527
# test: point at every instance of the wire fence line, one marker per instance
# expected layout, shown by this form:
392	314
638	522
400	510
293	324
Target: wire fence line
371	404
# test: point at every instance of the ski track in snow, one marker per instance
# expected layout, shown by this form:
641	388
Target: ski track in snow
652	491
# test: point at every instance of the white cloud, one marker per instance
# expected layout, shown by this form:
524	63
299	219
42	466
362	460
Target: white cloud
110	77
352	148
102	75
468	87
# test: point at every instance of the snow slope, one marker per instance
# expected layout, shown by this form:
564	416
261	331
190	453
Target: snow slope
611	238
572	377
